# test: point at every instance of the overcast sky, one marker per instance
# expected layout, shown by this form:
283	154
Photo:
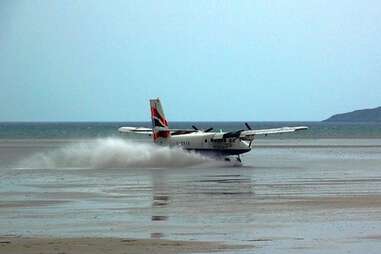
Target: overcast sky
207	60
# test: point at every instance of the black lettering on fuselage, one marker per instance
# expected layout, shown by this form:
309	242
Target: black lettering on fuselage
183	143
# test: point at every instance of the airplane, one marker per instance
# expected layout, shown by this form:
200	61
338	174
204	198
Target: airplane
215	144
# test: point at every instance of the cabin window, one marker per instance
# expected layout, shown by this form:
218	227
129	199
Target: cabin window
206	140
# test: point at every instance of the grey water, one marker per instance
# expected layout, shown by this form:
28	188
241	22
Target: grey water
316	191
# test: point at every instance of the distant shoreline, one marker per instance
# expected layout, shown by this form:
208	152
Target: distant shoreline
372	115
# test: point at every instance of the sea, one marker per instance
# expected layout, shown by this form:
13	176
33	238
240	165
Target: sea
84	130
313	191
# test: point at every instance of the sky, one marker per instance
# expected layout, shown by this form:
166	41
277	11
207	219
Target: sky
281	60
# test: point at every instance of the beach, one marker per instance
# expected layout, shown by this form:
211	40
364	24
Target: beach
107	245
290	195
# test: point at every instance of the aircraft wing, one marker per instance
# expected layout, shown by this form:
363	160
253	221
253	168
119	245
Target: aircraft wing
242	134
249	134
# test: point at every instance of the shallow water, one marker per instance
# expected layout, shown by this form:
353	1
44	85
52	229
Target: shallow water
293	195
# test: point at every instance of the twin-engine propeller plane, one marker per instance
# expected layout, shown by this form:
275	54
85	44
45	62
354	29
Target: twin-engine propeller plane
215	144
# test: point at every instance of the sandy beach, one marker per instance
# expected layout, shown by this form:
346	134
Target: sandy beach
13	245
320	196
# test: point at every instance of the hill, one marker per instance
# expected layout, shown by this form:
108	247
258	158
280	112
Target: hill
363	115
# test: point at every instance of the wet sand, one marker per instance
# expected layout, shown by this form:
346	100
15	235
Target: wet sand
14	245
319	196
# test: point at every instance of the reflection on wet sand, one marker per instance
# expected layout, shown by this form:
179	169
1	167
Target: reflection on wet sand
193	192
160	199
222	184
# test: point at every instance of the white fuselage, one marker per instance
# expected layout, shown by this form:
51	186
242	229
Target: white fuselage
204	143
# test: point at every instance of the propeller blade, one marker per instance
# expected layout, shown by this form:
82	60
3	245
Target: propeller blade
209	129
194	127
248	126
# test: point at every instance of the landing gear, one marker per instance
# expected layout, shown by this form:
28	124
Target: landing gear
236	162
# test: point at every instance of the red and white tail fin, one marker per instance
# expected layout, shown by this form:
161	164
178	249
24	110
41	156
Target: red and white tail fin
159	122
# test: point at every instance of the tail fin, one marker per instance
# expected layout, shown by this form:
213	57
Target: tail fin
159	122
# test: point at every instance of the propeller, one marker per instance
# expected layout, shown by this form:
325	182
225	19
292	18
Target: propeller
197	129
209	129
249	128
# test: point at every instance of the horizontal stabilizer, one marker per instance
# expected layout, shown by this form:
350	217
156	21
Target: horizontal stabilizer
148	131
137	130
